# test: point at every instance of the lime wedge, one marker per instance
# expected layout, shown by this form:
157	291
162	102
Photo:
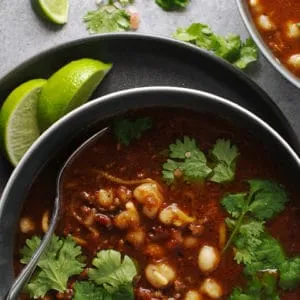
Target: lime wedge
68	88
18	119
55	10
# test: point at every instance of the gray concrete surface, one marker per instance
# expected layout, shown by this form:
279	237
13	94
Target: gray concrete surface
23	34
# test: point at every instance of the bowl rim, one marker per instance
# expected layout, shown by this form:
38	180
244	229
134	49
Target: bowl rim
131	92
95	104
264	48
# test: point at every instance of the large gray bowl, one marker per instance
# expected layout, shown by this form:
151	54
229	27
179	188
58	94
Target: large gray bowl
77	122
264	48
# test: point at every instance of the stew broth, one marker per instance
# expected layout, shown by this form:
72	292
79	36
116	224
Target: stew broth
279	24
179	246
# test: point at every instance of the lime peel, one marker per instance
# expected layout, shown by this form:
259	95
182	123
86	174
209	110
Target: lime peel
18	119
55	10
68	88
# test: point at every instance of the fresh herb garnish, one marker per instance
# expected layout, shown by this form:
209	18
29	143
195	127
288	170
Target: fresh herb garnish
128	130
231	48
113	273
57	264
290	273
108	18
190	163
261	254
87	290
225	155
172	4
258	288
264	200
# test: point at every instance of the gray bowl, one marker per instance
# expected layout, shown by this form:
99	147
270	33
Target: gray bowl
80	120
264	48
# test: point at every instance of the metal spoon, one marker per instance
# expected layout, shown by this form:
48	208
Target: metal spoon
28	270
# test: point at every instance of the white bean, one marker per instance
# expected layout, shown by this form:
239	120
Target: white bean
150	196
265	23
26	225
160	275
294	61
172	215
128	218
211	288
193	295
208	259
293	30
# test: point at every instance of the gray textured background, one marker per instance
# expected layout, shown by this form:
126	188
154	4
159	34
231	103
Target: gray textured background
23	34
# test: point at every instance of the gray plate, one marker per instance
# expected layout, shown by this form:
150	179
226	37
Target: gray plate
143	60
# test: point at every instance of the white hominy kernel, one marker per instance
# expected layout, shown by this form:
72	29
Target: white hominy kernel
45	221
294	61
160	275
26	225
208	259
293	30
212	288
265	23
193	295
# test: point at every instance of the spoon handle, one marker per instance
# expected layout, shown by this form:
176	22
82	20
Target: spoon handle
28	270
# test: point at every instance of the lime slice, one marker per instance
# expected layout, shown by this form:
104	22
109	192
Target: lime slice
55	10
18	119
68	88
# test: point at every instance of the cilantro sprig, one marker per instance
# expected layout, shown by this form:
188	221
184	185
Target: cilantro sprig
110	277
186	160
108	18
254	246
172	4
57	264
264	200
230	48
127	130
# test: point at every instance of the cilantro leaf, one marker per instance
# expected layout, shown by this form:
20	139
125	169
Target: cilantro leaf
128	130
172	4
169	169
268	255
58	263
108	18
225	154
234	204
230	48
185	149
290	273
32	244
113	273
192	162
248	54
87	290
268	199
259	288
247	241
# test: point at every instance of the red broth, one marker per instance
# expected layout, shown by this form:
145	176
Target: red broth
279	24
144	159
